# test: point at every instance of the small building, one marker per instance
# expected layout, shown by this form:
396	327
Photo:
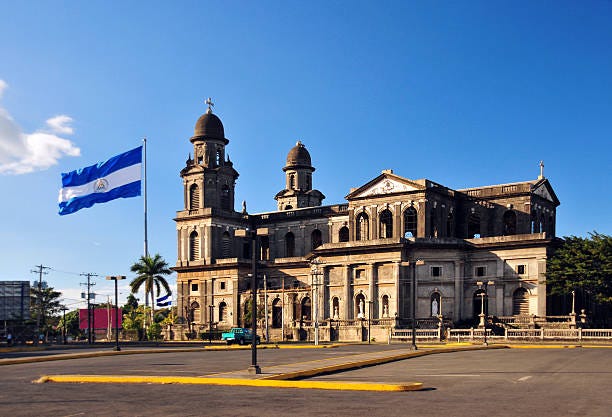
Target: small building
358	257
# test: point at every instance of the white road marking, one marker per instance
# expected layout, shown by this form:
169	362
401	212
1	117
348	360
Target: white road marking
460	375
525	378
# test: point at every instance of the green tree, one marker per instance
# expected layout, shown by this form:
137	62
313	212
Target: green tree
150	273
248	313
72	324
583	264
45	303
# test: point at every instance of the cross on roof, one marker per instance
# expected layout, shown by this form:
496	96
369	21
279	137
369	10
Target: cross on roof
210	104
541	169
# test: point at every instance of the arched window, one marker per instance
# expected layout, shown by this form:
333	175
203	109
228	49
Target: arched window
294	307
520	302
449	225
343	234
480	303
316	239
410	222
226	245
434	223
264	246
292	181
360	306
194	197
363	227
473	226
509	223
194	246
435	304
195	312
385	306
335	308
534	222
277	313
386	224
225	198
222	311
289	245
306	309
219	157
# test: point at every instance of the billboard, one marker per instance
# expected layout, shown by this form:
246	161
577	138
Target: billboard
100	318
14	300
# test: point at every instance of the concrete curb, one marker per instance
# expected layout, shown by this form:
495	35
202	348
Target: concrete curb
327	385
370	362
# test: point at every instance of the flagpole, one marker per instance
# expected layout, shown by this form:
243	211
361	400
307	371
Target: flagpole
146	243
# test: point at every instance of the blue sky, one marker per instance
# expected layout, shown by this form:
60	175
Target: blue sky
463	93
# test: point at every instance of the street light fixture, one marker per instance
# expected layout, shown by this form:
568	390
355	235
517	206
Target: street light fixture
483	316
116	278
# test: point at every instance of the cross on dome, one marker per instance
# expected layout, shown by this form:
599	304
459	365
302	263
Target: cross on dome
210	104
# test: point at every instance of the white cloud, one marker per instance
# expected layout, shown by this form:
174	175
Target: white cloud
22	153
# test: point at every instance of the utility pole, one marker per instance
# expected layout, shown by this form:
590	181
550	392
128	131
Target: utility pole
40	271
89	285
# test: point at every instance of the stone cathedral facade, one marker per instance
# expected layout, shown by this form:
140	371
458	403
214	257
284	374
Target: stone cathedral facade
357	258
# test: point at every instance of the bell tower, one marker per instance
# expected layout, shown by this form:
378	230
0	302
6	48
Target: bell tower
209	179
298	192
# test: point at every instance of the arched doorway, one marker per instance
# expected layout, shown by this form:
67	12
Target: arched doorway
520	302
306	309
385	306
385	224
435	304
509	223
195	312
222	311
335	308
277	313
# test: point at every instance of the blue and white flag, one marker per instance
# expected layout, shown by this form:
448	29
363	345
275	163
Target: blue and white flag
117	177
163	301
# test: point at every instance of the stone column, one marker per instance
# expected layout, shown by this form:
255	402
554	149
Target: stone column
372	290
397	290
458	308
179	247
374	223
347	293
541	288
397	212
207	244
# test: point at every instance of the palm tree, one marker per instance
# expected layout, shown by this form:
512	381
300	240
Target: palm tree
151	271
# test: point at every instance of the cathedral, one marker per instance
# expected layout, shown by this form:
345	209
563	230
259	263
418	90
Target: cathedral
360	267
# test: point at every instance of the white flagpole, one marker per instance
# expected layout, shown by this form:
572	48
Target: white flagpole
146	243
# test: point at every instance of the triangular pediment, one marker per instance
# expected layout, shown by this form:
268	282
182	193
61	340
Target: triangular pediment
385	183
544	190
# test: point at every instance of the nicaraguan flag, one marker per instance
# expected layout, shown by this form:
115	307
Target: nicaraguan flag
117	177
163	301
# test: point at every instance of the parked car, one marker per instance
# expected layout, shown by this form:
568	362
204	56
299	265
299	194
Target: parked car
240	335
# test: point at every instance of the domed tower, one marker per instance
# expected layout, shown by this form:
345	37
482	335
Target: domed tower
209	178
298	190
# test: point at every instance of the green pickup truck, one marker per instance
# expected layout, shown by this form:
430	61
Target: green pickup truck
240	335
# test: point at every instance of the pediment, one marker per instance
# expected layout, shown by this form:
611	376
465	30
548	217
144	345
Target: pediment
385	184
544	190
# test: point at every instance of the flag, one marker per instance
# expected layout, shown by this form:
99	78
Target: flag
161	301
117	177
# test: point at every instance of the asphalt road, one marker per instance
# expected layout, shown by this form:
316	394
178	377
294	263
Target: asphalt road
509	382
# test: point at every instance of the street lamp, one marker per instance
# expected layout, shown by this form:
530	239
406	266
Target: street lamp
116	278
316	273
210	322
252	232
483	316
414	299
370	304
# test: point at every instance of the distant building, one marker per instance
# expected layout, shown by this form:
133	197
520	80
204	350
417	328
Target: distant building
14	300
362	252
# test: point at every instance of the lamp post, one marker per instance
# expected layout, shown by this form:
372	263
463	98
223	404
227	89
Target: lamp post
414	299
116	278
210	323
315	286
370	304
483	316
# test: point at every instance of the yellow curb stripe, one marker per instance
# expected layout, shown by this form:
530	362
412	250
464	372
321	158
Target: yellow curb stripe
543	346
327	385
